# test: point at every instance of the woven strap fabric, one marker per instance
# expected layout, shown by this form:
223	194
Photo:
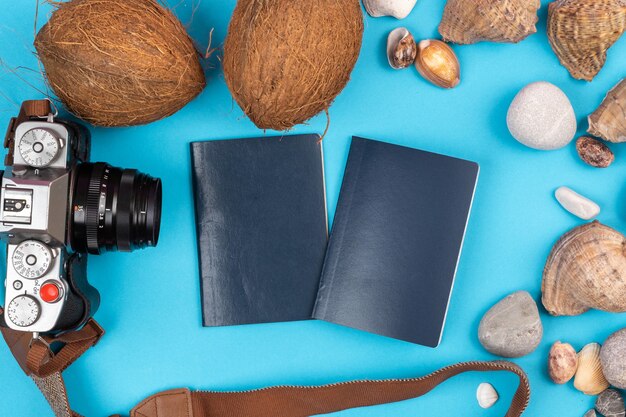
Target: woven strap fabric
53	388
294	401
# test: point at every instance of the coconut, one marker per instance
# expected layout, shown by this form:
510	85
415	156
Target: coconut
286	60
119	62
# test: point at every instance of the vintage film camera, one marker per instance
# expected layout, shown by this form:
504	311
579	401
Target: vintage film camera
55	207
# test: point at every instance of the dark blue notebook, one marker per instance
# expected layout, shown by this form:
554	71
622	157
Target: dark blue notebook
261	227
396	240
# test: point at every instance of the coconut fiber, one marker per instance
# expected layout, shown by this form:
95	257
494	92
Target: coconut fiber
119	62
286	60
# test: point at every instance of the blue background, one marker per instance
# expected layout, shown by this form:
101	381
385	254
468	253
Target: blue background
151	299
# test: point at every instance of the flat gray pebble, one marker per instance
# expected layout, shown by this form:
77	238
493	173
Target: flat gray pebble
511	328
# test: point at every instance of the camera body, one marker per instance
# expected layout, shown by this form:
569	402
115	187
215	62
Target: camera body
55	207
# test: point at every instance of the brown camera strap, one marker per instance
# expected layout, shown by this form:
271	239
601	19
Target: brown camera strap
45	368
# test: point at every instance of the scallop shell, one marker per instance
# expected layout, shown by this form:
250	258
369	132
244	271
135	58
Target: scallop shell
589	377
586	269
401	48
486	395
581	31
562	362
471	21
609	120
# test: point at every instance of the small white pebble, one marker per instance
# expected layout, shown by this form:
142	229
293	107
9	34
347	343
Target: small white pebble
576	204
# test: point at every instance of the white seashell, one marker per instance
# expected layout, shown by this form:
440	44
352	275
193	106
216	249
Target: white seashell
589	377
396	8
486	395
401	48
576	204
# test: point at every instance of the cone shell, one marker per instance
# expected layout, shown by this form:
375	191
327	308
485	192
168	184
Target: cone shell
609	120
586	269
581	31
471	21
589	377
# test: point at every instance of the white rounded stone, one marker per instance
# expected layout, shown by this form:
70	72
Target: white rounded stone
576	204
541	117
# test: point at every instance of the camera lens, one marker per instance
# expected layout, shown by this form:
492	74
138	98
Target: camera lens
112	208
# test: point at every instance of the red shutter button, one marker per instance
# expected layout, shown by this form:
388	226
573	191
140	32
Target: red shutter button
50	292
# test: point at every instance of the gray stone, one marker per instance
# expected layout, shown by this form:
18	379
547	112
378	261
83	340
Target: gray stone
610	404
612	358
591	413
541	117
511	328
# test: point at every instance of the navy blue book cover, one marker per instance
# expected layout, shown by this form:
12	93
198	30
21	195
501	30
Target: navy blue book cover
396	240
262	227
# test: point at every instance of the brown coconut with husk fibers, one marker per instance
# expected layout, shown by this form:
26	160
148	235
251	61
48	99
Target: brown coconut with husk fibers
286	60
119	62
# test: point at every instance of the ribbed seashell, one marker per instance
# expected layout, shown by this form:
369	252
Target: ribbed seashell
581	31
589	377
586	270
609	120
471	21
486	395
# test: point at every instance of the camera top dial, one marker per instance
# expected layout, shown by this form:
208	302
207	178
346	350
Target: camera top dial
32	259
23	310
39	147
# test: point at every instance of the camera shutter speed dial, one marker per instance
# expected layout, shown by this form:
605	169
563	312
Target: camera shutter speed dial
32	259
39	147
23	310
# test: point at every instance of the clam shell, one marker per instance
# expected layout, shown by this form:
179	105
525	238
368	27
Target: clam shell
586	269
581	31
486	395
471	21
609	120
589	377
401	48
562	362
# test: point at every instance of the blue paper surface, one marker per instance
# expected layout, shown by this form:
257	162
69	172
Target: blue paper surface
151	298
